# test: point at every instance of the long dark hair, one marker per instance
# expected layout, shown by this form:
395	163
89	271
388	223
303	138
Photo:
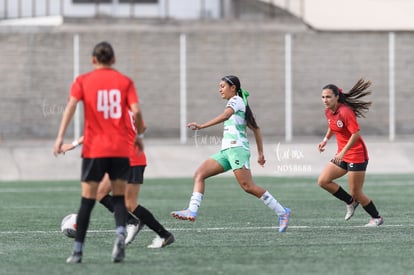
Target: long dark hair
352	98
234	80
104	53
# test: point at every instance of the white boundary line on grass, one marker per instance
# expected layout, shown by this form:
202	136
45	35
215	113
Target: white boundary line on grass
221	228
39	190
76	188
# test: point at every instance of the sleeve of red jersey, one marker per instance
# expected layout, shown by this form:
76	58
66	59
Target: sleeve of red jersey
76	89
351	122
132	95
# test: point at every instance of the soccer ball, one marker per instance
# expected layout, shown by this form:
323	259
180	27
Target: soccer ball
68	225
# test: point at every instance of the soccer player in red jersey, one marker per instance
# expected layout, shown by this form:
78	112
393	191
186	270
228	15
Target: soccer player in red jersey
342	110
107	97
138	215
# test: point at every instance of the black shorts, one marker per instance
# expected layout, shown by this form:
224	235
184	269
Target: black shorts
136	174
94	169
349	166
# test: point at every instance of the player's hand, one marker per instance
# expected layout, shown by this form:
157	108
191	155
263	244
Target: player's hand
261	160
338	158
66	147
321	146
194	126
57	148
139	143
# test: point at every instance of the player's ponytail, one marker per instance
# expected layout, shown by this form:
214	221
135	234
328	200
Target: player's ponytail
352	98
234	80
250	118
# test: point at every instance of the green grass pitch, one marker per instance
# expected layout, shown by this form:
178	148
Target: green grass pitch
235	233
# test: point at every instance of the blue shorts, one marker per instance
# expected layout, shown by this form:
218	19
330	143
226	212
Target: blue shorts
233	158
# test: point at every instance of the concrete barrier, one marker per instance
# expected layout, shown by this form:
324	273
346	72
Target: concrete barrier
33	160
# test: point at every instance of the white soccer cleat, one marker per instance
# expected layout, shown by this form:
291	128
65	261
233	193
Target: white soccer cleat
350	209
75	258
132	231
118	252
159	242
185	214
375	222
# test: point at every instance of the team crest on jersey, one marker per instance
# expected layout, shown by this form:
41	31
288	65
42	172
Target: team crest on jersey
339	123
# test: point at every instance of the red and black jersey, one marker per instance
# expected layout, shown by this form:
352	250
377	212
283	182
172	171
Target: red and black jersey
343	123
107	96
136	156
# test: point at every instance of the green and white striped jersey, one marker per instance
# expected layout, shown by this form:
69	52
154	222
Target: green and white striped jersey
234	134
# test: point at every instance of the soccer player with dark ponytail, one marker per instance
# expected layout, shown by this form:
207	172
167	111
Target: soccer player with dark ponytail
107	96
234	154
342	110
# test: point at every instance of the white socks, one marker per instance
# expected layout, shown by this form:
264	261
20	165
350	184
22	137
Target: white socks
267	199
273	204
195	201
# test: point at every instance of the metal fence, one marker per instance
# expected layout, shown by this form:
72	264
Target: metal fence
176	73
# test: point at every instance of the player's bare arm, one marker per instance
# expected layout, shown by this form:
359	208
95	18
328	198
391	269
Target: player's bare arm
228	112
67	117
259	143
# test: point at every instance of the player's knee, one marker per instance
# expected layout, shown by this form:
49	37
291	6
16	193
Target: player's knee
100	196
359	196
199	176
247	187
323	183
128	205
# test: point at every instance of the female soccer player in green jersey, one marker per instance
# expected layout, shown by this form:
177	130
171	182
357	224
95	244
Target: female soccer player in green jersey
234	153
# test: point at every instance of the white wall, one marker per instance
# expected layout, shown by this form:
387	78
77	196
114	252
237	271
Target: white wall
179	9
